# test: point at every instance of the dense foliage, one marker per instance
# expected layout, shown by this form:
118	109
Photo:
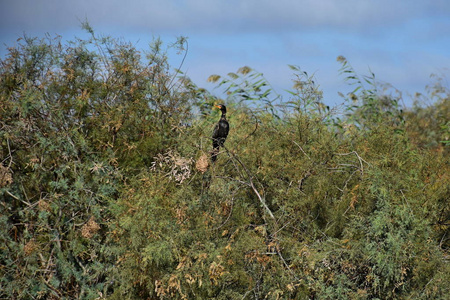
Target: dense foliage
107	191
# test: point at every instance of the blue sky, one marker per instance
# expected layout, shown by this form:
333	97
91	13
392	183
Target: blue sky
403	41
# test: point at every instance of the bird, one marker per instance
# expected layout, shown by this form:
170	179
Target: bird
220	132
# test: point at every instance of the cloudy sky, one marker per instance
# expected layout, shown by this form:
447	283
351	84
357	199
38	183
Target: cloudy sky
402	41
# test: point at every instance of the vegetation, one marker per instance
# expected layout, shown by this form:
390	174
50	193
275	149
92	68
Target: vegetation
107	191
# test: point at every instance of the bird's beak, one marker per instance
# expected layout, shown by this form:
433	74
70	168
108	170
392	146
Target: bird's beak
217	106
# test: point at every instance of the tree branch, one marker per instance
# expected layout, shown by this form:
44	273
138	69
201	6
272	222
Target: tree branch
251	184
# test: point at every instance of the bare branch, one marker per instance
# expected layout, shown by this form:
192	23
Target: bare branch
301	149
251	184
10	154
361	160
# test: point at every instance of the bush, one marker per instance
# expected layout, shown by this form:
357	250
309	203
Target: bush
75	120
108	192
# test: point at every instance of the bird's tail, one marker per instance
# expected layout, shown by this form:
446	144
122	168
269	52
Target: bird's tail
215	151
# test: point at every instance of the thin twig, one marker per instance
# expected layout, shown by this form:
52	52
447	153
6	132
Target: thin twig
246	293
10	154
228	217
181	64
18	199
361	160
285	225
234	179
252	185
15	197
285	264
302	150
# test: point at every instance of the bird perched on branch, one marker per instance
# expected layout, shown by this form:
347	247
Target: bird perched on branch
220	132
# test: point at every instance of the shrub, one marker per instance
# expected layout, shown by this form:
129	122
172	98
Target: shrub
107	191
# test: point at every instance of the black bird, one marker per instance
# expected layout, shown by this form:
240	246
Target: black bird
220	132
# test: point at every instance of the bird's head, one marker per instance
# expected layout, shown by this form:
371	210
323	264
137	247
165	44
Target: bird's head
222	108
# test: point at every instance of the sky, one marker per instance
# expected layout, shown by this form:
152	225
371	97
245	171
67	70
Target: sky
403	41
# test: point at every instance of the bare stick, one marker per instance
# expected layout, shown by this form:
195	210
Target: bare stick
252	185
10	154
361	160
302	150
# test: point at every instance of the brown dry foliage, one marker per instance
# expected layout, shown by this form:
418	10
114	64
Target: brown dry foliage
90	228
5	176
202	163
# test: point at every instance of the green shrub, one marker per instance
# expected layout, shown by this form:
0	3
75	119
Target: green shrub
108	193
